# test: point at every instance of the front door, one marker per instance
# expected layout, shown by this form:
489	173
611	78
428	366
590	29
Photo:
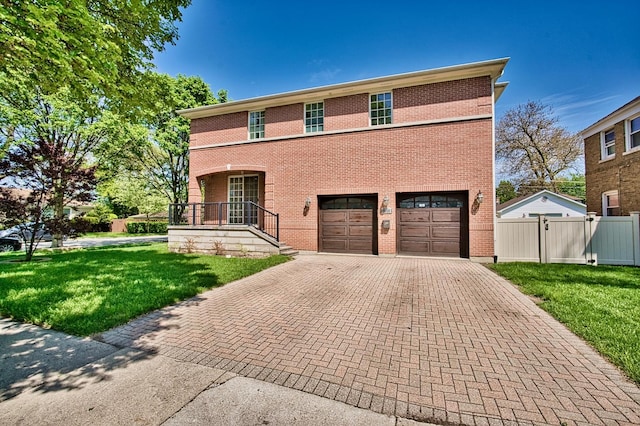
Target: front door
241	190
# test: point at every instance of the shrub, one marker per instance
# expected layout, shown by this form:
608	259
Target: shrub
147	227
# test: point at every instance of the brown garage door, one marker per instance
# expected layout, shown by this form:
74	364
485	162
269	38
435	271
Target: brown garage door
431	225
345	229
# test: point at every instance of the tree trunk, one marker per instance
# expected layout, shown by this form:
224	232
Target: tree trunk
58	214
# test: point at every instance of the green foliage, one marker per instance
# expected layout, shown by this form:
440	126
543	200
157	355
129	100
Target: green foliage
134	192
505	191
96	47
84	292
147	227
600	304
156	164
55	144
575	185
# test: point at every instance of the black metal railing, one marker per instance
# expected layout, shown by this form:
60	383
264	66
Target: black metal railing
242	213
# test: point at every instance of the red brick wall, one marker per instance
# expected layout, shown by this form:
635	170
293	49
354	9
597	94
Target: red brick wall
284	121
621	173
442	100
346	112
455	156
220	129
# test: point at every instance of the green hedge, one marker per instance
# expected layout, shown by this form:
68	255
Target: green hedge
147	227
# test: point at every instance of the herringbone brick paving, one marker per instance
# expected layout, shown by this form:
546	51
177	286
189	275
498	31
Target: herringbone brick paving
427	339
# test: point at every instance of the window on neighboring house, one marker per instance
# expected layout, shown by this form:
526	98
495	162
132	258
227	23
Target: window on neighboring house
256	125
633	134
314	117
608	144
610	204
380	108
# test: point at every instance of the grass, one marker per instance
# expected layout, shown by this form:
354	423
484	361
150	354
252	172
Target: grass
600	304
84	292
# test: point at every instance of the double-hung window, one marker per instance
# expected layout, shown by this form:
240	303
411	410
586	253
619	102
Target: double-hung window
610	203
633	134
256	125
608	141
314	117
380	107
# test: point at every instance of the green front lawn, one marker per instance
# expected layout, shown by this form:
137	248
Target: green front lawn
600	304
84	292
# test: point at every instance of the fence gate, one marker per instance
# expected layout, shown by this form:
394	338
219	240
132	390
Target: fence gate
564	240
581	240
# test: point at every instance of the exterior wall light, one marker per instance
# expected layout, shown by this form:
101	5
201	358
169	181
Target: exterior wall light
385	201
479	197
307	202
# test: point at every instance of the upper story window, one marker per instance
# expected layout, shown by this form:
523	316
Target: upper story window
608	142
380	108
256	125
633	134
610	203
314	117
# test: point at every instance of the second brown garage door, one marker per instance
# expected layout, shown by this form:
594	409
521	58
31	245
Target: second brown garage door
431	225
346	225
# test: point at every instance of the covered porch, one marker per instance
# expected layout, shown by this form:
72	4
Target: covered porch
226	215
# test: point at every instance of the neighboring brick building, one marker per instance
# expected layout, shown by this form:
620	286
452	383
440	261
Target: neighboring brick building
381	166
612	162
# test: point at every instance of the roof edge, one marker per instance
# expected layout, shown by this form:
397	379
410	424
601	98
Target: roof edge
616	116
493	68
544	191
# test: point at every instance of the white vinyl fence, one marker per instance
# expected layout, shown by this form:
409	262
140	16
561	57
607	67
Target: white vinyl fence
586	240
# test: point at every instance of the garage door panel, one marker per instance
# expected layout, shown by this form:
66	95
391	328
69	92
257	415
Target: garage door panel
360	246
347	230
334	245
360	231
445	247
445	215
334	230
429	231
415	231
339	216
414	246
360	216
415	215
452	232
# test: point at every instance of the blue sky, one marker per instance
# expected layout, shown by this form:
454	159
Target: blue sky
580	57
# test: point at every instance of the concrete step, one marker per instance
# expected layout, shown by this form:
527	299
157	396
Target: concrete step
287	250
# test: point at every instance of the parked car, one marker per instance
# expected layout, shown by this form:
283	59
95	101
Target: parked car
23	232
9	244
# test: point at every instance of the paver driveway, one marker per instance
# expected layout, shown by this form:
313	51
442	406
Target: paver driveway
428	339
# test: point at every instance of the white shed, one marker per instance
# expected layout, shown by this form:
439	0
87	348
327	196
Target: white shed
543	202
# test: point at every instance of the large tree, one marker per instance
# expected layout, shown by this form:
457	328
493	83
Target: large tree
91	47
532	147
55	149
162	155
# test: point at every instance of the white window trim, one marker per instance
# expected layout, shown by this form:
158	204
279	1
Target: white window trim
627	135
304	117
369	101
249	125
603	149
605	206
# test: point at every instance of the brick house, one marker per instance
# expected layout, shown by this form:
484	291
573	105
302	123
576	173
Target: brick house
612	162
385	166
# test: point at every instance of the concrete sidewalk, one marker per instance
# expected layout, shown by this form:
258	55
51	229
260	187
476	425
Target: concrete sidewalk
48	377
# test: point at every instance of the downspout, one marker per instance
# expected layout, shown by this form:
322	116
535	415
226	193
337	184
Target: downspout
493	166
